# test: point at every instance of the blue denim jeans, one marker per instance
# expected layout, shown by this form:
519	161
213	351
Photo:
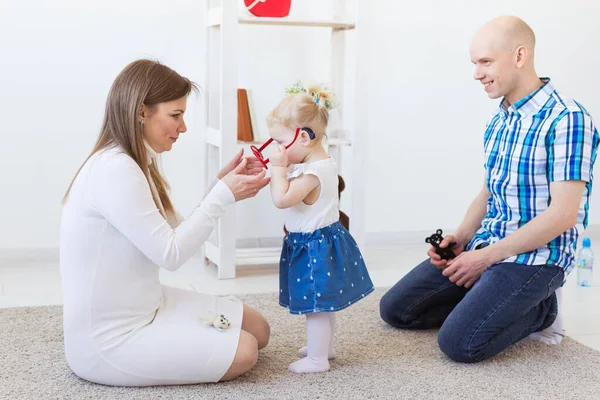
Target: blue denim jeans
508	303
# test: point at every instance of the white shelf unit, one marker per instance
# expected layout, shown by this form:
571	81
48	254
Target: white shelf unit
220	143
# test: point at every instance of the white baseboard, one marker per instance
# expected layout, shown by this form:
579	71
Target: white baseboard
372	240
246	243
415	238
29	255
592	231
399	238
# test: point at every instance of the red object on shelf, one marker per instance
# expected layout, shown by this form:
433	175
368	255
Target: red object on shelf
269	8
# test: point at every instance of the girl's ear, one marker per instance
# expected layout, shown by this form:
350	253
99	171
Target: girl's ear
304	138
306	135
310	133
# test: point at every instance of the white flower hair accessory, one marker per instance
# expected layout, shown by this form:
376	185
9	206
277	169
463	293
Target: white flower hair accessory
322	95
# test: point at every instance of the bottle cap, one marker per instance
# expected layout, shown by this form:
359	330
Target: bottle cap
586	242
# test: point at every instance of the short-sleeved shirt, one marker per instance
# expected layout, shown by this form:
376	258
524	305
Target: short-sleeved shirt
540	139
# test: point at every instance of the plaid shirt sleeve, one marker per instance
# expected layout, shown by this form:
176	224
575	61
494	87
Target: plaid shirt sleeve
571	147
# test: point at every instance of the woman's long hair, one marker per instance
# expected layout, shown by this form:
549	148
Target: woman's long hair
141	82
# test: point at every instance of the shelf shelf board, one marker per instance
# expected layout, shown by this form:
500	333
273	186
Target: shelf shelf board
214	19
321	23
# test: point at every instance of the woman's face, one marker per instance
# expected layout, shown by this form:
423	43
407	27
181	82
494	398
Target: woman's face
164	123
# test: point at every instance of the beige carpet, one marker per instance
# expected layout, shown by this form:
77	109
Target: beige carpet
374	361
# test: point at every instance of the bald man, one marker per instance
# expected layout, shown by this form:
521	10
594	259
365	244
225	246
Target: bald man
516	244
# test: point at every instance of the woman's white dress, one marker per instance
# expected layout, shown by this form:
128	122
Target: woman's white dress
121	325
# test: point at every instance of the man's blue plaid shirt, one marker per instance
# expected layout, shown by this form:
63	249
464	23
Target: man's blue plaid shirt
542	138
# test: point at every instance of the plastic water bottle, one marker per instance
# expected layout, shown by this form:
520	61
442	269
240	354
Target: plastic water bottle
585	264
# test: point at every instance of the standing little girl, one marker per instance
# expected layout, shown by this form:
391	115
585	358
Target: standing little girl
321	268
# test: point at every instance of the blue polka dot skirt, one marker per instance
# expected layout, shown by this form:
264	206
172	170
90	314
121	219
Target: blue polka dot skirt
322	271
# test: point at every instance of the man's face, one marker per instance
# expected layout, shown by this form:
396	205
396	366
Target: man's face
495	67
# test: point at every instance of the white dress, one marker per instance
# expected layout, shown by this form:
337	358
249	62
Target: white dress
121	325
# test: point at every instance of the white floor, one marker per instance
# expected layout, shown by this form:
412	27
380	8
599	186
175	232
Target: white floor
34	279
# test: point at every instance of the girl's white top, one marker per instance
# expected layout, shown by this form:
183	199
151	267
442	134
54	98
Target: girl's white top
325	211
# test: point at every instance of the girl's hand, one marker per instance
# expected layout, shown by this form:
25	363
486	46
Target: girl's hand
253	166
244	185
278	157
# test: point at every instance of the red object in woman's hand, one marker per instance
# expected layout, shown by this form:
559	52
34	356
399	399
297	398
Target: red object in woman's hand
269	8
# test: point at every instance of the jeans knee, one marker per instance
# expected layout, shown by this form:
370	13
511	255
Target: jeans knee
388	310
384	309
454	345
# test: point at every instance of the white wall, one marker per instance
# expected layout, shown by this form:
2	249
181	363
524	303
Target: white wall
426	116
59	59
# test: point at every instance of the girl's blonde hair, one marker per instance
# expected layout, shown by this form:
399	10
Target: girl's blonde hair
303	108
142	82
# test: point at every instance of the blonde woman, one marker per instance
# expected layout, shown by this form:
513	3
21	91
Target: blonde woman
119	227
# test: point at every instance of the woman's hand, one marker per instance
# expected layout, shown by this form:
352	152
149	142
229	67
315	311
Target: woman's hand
253	166
243	184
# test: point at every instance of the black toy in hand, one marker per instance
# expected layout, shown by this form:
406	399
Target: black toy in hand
435	240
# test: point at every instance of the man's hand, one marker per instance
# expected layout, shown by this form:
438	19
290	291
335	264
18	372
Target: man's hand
438	261
252	166
278	157
467	268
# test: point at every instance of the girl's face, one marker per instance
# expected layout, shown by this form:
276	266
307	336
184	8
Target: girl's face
283	135
164	123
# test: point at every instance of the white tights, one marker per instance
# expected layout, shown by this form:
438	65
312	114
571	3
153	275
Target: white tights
320	329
